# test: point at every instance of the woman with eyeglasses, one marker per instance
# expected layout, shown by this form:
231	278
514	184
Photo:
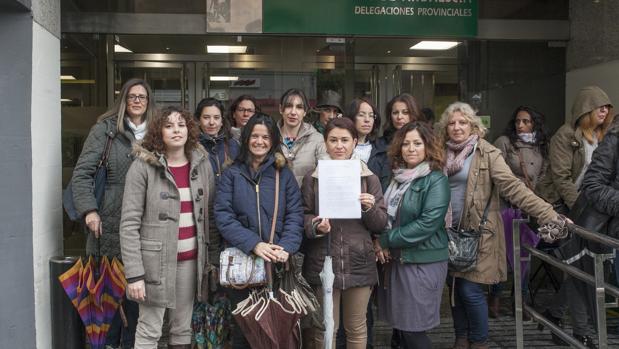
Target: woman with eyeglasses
524	145
401	110
570	152
301	144
124	123
371	149
243	108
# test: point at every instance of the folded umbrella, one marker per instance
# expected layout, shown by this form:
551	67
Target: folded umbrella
326	278
95	291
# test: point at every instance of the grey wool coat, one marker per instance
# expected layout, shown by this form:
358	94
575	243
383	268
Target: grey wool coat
149	223
83	183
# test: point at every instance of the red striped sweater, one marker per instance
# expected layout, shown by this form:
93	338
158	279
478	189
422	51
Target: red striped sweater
187	241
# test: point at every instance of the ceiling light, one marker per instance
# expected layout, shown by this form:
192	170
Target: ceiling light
65	100
121	49
225	49
434	45
67	77
224	78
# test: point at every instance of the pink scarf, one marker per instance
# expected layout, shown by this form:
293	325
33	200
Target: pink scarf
457	153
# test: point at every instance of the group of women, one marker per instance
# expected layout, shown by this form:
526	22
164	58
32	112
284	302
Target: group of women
192	185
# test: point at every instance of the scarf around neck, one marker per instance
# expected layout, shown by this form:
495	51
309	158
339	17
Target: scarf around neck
457	153
138	131
527	137
402	179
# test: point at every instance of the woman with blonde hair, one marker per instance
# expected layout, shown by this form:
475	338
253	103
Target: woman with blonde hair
478	177
121	126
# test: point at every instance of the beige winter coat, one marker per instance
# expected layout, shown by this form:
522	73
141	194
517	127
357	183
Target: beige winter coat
567	151
308	148
489	176
149	222
533	162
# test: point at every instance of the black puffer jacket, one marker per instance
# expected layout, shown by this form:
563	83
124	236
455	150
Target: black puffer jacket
601	183
379	162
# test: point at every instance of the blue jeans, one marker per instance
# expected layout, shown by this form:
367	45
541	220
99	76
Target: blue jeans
470	312
118	335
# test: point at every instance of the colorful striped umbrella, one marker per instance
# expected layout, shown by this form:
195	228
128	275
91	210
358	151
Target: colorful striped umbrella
96	293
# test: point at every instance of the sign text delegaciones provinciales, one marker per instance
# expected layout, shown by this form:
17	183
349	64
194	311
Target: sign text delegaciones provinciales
431	18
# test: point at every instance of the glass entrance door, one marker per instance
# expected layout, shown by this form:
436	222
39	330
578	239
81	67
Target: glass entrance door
169	80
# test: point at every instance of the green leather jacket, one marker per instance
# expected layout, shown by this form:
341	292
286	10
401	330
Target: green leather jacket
421	235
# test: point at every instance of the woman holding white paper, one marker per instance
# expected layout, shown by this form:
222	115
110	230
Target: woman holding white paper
348	241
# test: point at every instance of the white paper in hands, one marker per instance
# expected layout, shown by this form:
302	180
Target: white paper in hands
339	188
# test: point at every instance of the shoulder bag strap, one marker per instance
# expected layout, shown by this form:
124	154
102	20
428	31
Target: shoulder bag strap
276	209
106	151
484	217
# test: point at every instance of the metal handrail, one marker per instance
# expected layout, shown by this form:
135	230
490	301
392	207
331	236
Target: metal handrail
597	280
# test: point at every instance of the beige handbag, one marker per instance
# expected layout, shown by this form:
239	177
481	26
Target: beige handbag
238	270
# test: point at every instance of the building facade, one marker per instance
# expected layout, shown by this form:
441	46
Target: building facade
67	59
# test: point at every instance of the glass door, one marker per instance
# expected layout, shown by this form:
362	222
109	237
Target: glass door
169	81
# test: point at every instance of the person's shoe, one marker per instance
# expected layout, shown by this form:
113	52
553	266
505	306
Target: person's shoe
494	305
586	341
461	343
483	345
557	321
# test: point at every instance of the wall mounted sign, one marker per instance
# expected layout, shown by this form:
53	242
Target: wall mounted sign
234	16
431	18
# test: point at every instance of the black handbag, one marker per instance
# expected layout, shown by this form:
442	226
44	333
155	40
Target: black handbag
464	244
100	178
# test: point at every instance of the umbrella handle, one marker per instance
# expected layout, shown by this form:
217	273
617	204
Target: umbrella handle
123	317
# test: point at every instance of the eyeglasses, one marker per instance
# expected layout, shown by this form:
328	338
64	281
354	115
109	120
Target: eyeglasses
137	98
243	110
366	115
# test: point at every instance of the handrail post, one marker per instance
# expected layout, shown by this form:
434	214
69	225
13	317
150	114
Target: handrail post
600	300
517	283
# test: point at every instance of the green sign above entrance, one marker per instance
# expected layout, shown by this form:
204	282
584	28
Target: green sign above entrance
430	18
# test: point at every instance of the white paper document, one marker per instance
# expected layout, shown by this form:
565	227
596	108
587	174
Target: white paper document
339	187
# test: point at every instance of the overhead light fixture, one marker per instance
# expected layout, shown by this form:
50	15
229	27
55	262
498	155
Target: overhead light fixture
121	49
65	100
434	45
225	49
67	77
224	78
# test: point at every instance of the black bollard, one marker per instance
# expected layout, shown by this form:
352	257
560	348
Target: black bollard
67	326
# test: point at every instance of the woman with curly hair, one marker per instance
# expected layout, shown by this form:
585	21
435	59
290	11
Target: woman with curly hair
414	244
164	226
524	145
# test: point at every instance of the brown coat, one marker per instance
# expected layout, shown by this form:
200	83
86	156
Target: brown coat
308	148
354	262
149	222
533	161
567	150
489	176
